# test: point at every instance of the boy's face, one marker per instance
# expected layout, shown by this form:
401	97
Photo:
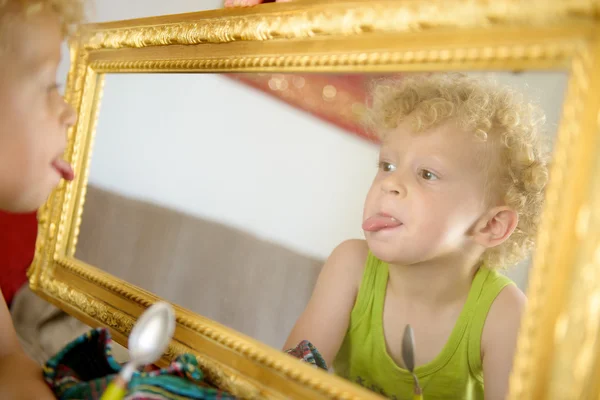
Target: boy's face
33	113
427	194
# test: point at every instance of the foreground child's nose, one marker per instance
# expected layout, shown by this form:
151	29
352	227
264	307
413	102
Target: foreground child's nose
69	116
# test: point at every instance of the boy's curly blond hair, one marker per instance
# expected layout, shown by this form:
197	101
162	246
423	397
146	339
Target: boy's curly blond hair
498	115
70	12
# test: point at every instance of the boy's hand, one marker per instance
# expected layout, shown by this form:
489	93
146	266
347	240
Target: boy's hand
248	3
21	379
241	3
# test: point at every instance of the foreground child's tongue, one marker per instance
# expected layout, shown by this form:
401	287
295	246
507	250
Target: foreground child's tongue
64	168
379	222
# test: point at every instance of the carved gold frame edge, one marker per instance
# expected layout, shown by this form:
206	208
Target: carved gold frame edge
60	217
324	18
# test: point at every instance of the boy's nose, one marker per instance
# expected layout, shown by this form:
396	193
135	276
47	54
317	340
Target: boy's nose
392	185
69	116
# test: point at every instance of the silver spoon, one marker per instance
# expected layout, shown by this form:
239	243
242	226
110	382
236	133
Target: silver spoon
147	342
408	356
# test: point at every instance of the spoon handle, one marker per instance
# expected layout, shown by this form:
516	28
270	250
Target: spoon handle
116	390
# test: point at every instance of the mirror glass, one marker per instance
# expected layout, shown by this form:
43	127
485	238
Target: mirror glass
225	193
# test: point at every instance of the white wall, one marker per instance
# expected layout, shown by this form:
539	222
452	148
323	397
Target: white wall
212	147
215	148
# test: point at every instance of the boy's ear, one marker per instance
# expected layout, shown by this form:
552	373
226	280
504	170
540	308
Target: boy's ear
495	226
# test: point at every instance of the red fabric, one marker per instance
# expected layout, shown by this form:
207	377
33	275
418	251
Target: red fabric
17	246
350	91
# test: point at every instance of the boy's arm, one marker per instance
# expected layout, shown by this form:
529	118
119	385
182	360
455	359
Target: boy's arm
325	320
20	377
499	341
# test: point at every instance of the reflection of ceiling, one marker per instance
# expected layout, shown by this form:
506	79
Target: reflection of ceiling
335	98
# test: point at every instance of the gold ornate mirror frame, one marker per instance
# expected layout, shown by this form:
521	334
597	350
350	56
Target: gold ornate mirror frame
558	350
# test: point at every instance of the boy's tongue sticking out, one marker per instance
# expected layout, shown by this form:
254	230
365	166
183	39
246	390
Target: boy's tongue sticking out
379	222
64	169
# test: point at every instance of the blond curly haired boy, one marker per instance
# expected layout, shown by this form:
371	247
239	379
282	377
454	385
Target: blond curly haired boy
457	196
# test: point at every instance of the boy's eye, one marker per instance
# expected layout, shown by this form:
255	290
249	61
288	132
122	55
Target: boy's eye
428	175
386	166
54	86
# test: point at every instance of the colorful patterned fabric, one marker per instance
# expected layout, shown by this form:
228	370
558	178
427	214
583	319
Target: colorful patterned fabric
305	351
85	367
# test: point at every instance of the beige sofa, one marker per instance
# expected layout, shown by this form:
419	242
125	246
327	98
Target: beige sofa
254	286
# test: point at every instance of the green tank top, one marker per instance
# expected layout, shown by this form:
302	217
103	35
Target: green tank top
456	373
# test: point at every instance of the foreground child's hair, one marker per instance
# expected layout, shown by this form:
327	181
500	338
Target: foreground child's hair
70	12
515	157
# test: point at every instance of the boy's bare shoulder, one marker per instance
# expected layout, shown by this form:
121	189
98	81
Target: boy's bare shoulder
349	258
511	298
505	315
351	249
499	340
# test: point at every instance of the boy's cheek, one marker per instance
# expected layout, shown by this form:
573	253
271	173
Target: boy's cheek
16	104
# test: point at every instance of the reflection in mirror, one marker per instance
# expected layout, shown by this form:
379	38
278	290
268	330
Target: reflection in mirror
226	194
